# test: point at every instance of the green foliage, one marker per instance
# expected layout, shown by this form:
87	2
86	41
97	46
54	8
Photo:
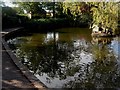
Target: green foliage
9	17
119	17
46	24
29	6
59	9
105	13
76	7
8	11
34	8
18	10
100	12
47	5
55	7
79	11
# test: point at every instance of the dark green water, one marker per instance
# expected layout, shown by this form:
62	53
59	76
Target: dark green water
70	58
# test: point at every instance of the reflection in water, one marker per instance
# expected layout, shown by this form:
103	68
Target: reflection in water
51	36
70	59
98	40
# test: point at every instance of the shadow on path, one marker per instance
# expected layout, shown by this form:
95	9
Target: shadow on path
11	75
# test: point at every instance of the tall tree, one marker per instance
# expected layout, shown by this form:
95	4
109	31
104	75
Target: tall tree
106	13
31	7
51	6
79	11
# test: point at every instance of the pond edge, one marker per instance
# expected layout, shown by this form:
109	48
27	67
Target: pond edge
24	70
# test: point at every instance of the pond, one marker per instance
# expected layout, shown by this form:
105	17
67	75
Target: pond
70	58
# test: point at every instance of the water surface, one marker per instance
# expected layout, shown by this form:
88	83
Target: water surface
70	58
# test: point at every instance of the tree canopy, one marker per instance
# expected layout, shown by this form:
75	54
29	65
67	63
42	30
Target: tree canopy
106	13
100	12
81	12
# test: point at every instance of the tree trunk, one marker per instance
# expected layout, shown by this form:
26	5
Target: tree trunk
53	8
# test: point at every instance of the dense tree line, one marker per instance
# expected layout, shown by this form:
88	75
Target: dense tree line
95	12
106	13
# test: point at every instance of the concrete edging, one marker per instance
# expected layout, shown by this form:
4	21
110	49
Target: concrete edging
36	82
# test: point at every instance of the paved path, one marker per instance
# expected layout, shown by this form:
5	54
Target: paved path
5	31
14	75
11	75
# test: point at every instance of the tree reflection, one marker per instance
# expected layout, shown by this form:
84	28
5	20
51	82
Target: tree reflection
102	73
78	62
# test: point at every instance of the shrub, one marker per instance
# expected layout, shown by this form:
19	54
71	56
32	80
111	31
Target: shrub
46	24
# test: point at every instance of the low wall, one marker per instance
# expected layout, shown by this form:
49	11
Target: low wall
36	82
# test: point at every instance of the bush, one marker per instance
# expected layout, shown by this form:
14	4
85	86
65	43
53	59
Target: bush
9	22
9	18
46	24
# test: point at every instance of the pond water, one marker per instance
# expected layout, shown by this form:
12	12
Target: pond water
70	58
